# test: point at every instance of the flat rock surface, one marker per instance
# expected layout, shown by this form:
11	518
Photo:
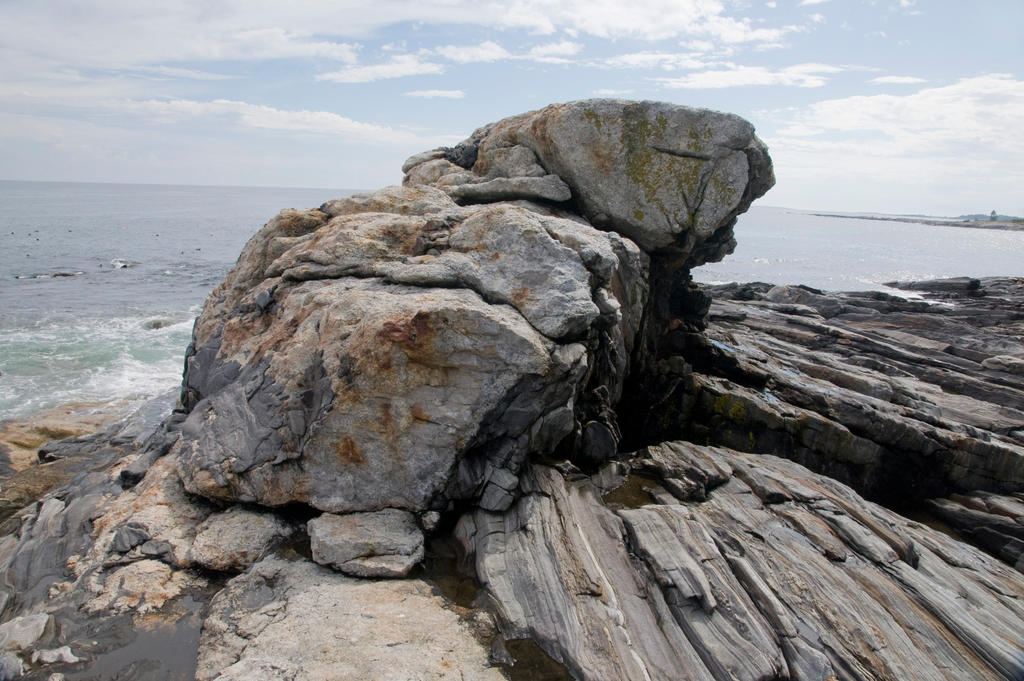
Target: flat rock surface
302	622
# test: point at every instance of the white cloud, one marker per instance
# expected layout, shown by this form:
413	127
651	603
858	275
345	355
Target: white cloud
812	2
487	51
187	74
669	61
266	117
181	32
564	48
960	136
399	66
430	94
971	112
771	4
898	80
652	20
798	75
608	92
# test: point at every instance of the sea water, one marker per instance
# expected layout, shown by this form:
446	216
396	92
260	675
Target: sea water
100	283
783	246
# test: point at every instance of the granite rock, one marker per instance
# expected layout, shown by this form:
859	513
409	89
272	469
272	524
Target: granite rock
386	543
237	538
669	177
299	621
395	350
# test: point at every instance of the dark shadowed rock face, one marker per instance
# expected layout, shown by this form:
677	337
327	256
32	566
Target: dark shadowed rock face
508	354
904	400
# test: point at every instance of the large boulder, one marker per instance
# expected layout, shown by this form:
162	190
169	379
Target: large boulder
396	350
671	178
414	346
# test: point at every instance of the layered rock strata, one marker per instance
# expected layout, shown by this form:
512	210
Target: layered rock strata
507	353
902	399
694	562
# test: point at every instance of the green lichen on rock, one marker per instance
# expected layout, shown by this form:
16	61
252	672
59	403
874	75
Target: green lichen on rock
663	179
593	117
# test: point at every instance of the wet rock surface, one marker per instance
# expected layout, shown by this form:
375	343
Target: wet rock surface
507	356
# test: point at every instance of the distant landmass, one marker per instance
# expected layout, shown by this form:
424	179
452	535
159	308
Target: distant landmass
988	216
977	221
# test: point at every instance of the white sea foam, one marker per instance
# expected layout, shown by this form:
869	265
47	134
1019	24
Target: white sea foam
60	360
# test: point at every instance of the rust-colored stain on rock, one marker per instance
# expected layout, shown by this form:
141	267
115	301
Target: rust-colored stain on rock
387	420
348	452
413	332
521	296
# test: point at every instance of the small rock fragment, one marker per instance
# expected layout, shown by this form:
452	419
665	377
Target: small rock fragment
22	632
62	654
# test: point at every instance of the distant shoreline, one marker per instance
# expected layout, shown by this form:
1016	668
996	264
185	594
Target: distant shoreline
970	224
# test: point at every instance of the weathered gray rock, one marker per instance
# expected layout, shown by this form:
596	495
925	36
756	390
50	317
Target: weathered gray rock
757	569
671	178
386	543
546	188
396	357
887	395
22	633
299	621
237	538
993	521
395	350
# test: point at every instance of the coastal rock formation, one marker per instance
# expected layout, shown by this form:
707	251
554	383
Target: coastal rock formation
695	562
501	374
889	395
671	178
397	350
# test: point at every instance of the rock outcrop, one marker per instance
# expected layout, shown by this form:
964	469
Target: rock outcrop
695	562
397	350
507	354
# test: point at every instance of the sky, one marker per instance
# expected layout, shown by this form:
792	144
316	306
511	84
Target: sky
898	106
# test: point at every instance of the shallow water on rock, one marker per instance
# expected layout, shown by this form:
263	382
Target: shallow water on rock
638	490
443	568
533	664
159	647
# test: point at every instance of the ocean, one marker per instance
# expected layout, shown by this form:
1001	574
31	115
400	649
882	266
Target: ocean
100	283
